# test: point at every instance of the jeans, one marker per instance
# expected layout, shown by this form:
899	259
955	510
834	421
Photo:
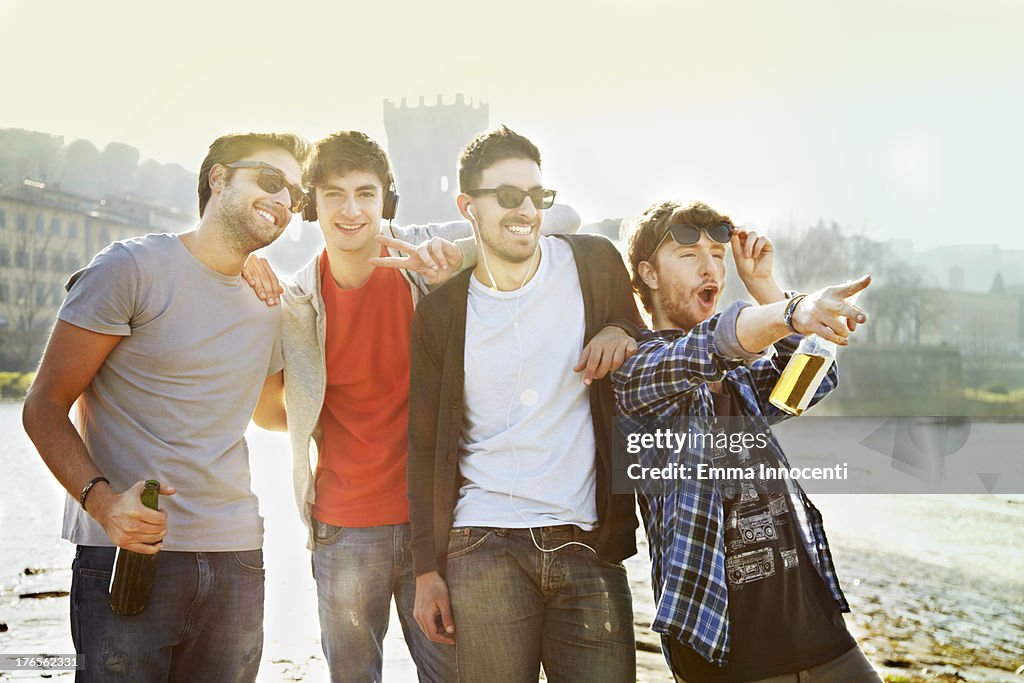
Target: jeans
357	570
516	608
850	667
203	621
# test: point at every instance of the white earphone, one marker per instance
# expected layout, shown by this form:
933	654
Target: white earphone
514	312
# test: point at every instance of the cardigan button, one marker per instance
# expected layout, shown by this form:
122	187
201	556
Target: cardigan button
454	403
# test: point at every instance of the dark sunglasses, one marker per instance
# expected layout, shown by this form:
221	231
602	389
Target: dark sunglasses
512	197
272	180
686	234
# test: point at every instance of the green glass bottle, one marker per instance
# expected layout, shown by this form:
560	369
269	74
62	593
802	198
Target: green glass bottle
134	573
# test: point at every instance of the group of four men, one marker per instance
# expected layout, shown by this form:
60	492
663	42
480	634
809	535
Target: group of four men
450	451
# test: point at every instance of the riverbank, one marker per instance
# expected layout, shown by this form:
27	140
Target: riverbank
934	581
14	385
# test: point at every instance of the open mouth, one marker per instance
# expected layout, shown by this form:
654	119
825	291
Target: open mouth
348	229
519	229
707	294
267	216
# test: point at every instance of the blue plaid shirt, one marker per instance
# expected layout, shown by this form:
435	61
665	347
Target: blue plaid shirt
668	378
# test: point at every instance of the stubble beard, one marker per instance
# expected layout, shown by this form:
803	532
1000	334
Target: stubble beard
243	231
507	253
678	310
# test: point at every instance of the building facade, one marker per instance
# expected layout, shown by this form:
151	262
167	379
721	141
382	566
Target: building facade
47	234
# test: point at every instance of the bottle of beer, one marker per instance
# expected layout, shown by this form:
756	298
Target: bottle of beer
134	573
804	372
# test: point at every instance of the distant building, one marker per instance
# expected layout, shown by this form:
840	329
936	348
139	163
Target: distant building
47	234
969	267
424	143
979	324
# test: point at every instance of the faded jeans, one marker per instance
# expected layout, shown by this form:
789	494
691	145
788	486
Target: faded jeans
516	608
203	620
357	570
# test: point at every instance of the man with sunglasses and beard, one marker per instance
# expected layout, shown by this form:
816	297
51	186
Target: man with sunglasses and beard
166	351
764	605
517	540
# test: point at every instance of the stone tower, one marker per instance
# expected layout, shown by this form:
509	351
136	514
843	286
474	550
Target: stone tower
424	142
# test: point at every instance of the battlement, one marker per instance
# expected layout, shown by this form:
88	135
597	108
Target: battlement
424	142
460	102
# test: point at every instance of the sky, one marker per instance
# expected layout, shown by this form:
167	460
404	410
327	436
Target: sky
899	119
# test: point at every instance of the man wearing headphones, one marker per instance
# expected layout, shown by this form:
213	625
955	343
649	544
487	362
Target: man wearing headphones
517	539
346	323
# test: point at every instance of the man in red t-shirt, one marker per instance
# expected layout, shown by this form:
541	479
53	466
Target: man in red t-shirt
346	330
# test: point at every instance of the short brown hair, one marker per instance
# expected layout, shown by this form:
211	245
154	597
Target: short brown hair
230	148
346	151
650	227
489	148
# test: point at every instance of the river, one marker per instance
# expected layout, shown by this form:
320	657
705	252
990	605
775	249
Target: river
936	582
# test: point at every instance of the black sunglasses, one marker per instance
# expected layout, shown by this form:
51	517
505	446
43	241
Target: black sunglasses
512	197
272	180
686	234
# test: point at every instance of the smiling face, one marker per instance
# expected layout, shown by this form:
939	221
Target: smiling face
349	207
510	235
686	281
249	216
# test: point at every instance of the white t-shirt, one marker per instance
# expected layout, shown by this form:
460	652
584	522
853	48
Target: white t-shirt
528	456
173	399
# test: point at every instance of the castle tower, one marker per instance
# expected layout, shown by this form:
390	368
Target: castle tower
424	143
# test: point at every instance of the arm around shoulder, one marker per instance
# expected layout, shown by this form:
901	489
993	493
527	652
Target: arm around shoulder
270	411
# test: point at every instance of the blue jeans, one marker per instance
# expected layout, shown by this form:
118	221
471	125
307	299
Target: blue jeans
516	607
357	570
203	621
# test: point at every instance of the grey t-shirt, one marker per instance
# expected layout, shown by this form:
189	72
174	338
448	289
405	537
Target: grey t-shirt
173	399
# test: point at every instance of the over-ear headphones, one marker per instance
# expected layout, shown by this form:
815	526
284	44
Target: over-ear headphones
388	213
390	209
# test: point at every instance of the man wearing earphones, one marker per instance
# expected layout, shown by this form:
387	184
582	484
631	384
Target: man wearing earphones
744	581
517	538
346	327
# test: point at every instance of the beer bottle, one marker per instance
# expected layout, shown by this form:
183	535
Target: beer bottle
134	573
804	372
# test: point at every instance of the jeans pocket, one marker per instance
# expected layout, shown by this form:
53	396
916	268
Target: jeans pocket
94	562
85	572
464	540
326	534
249	560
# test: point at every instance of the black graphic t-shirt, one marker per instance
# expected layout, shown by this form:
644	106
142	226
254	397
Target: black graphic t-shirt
782	618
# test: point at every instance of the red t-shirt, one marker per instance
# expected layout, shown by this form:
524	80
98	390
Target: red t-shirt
360	478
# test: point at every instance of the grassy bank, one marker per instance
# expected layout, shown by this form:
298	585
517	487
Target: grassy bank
15	384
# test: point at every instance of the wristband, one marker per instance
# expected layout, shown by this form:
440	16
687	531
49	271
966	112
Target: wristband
88	487
787	317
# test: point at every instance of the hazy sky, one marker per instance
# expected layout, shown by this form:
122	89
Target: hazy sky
903	119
